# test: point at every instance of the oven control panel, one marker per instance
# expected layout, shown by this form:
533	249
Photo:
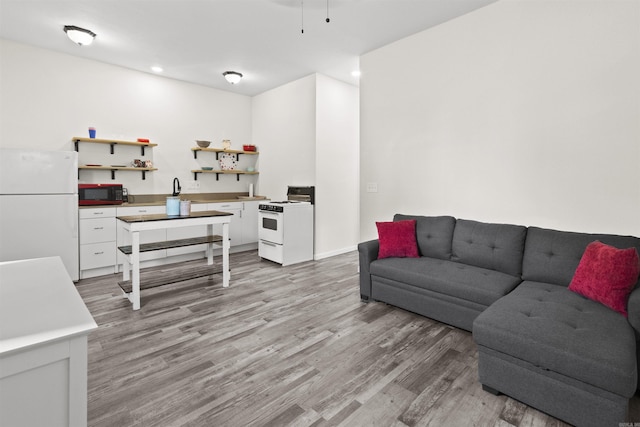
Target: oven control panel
271	208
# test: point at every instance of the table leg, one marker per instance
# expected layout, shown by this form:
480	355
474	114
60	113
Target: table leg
225	255
126	269
135	260
209	245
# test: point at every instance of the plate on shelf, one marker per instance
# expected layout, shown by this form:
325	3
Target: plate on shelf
227	161
207	168
92	164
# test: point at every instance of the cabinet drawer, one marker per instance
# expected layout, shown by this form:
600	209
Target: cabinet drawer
141	210
97	255
97	230
224	206
97	213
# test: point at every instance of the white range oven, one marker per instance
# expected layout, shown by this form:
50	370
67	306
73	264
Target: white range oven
285	229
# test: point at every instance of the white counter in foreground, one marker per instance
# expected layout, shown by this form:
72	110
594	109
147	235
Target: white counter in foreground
43	345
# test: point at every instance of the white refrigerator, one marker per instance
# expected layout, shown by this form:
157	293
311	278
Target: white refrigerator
39	206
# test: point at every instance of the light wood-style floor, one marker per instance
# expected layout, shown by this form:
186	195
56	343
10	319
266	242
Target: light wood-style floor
282	346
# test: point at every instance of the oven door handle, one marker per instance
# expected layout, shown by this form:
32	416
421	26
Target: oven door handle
270	213
264	242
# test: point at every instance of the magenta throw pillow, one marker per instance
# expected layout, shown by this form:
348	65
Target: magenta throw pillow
607	275
397	239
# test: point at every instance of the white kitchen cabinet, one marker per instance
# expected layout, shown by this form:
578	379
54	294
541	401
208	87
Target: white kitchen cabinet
124	238
97	241
250	221
235	228
43	345
101	234
188	232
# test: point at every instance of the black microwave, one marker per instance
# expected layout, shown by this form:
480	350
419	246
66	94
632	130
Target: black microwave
100	194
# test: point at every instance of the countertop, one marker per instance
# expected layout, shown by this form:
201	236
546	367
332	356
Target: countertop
39	303
160	199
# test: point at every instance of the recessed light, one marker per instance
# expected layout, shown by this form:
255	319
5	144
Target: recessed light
356	73
156	69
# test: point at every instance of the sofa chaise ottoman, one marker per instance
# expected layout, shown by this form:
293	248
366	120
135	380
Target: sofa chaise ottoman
554	349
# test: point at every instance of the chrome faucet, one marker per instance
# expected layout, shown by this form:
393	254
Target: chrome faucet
176	181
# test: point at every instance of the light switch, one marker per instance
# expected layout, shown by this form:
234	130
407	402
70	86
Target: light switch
372	187
193	185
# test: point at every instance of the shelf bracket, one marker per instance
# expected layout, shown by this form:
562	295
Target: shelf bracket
195	175
76	144
237	177
142	150
144	175
113	174
112	145
217	177
195	154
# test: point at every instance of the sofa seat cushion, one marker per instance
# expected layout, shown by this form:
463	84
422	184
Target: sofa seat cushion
462	281
558	330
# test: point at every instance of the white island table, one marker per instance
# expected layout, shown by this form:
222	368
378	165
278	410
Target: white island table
134	224
43	345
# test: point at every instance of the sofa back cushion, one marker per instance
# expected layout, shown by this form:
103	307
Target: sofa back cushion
496	247
433	234
552	256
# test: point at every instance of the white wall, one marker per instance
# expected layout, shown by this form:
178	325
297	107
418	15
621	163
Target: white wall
337	166
284	130
522	112
46	98
307	133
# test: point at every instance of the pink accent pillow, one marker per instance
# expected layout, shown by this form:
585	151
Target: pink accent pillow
397	239
607	275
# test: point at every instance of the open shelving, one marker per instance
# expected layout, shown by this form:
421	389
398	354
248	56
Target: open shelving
237	172
112	143
237	153
221	150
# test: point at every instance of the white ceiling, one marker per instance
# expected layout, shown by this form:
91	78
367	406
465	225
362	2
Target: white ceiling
197	40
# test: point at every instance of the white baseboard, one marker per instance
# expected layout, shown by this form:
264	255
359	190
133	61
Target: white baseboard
334	253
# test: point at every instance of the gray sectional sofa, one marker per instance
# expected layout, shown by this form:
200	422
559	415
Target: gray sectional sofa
538	342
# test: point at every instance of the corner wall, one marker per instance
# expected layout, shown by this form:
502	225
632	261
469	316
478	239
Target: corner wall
521	112
284	130
307	133
337	166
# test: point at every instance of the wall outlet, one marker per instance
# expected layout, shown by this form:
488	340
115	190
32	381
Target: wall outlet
372	187
192	185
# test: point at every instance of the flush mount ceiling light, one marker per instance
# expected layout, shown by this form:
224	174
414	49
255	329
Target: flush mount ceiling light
232	77
79	35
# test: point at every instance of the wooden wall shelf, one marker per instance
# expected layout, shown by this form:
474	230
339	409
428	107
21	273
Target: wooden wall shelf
112	143
113	169
220	150
218	172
